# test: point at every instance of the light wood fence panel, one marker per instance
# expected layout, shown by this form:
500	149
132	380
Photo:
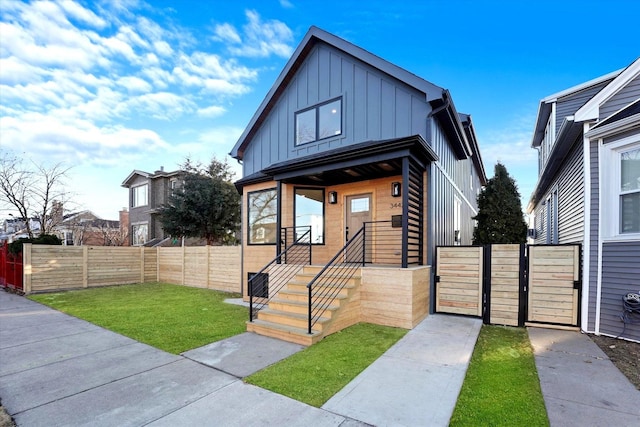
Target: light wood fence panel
52	267
113	265
553	271
505	285
459	289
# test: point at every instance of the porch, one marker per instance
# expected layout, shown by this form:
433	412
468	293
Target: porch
292	299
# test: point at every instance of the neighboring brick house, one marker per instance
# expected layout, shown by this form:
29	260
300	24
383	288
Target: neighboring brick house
87	229
147	193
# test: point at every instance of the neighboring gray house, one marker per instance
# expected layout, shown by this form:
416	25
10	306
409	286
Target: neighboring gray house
588	190
344	138
147	193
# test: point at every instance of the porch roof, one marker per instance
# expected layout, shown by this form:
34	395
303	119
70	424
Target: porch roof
366	160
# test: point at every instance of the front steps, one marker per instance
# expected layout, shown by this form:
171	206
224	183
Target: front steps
286	315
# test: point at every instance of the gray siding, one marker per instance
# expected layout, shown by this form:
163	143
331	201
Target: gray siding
594	228
627	95
620	275
569	104
570	185
462	173
375	106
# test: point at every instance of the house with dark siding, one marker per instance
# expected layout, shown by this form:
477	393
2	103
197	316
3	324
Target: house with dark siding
588	191
148	191
346	144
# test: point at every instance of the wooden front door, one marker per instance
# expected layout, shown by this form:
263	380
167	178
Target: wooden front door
358	211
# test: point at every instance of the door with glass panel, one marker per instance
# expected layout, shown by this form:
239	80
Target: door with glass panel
358	211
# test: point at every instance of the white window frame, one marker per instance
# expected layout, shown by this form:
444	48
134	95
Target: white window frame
135	203
610	171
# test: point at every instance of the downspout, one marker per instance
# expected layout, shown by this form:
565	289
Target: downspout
430	205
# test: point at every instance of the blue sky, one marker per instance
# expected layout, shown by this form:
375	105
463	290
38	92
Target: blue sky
111	86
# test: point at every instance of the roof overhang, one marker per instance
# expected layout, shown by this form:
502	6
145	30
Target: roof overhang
568	135
363	161
445	112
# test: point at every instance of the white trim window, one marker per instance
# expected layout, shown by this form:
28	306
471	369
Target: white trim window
140	195
630	191
620	174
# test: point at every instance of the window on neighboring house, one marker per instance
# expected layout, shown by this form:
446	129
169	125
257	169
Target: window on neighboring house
139	196
552	217
262	215
140	234
319	122
630	191
173	185
309	211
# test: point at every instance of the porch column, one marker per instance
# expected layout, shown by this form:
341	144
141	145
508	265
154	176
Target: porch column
405	212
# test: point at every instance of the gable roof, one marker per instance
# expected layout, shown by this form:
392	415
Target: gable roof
161	173
590	110
316	35
544	110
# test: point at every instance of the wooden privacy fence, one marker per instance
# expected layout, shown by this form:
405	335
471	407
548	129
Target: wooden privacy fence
510	284
50	267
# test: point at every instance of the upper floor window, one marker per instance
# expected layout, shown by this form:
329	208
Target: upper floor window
140	195
630	191
319	122
262	215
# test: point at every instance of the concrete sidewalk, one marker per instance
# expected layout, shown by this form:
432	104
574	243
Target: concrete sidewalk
59	370
581	386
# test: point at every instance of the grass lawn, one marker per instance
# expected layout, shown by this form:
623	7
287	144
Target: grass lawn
170	317
501	387
320	371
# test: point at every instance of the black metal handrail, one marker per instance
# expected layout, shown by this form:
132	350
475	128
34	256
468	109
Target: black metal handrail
265	284
327	284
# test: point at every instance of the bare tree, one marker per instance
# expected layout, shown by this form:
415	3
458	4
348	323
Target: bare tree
31	190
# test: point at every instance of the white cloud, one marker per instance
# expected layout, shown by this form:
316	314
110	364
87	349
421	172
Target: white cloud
85	15
286	4
259	39
212	111
227	32
134	84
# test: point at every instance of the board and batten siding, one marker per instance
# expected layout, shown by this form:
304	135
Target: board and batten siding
446	170
620	275
375	106
630	93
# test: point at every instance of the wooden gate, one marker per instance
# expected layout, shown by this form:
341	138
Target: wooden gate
510	284
10	269
459	280
554	284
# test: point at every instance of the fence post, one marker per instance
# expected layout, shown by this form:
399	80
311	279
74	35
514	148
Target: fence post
183	261
141	264
207	280
85	266
26	268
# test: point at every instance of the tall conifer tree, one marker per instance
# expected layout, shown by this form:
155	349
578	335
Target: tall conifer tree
500	218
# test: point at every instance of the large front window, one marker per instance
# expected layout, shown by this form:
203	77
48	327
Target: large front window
319	122
309	211
139	196
262	216
630	191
